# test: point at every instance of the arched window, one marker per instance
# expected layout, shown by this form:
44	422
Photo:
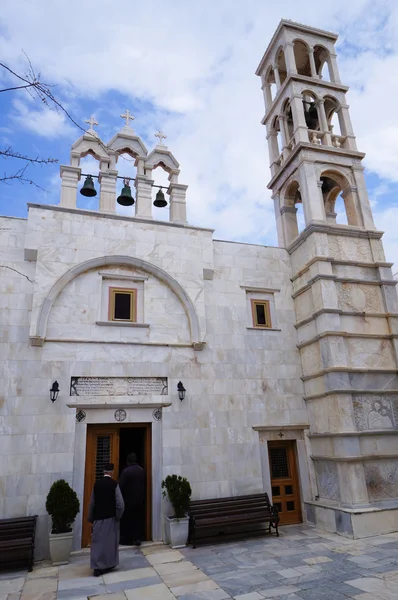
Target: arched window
287	113
276	129
302	58
311	111
90	165
294	221
333	117
160	175
281	65
339	199
321	57
125	159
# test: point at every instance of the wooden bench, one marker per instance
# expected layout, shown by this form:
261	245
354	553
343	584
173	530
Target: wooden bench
219	517
17	542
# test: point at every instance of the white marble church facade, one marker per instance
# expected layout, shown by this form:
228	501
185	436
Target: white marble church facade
288	350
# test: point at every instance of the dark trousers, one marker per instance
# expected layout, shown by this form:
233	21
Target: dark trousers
132	524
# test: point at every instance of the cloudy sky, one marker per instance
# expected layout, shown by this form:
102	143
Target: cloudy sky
188	68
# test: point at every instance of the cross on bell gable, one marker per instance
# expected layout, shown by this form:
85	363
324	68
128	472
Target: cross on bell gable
91	121
128	116
161	136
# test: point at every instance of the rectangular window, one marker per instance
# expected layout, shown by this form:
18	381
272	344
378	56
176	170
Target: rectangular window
122	304
261	313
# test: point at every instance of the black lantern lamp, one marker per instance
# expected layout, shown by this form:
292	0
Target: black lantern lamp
54	391
88	188
181	391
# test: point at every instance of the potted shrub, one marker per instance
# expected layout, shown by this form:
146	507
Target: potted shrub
62	505
178	491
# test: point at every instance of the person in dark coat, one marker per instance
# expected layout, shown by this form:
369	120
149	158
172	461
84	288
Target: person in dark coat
105	511
132	486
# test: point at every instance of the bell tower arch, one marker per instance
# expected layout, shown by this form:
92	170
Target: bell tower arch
343	289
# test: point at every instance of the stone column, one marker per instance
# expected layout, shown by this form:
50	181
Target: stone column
70	177
279	224
107	180
289	223
327	138
312	63
363	198
300	126
311	193
178	205
277	78
266	87
285	151
333	69
273	149
290	58
143	201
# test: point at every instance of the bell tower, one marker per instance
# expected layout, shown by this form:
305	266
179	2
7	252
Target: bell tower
343	290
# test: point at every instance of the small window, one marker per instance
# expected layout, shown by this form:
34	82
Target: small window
122	304
261	313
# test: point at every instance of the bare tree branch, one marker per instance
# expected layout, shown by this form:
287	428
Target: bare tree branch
10	153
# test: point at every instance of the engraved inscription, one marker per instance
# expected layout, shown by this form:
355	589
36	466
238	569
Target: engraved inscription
118	386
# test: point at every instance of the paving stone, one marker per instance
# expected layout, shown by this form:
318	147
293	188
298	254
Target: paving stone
151	592
116	576
176	567
120	586
194	587
77	593
118	596
209	595
250	596
279	591
11	586
165	557
173	580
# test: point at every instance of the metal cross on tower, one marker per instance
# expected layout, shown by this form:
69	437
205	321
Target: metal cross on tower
129	117
161	136
91	121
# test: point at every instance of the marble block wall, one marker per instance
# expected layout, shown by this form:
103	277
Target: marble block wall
242	377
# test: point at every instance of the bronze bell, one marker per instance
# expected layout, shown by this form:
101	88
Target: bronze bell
88	188
125	198
160	200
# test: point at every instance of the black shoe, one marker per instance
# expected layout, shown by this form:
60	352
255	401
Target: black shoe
137	543
97	573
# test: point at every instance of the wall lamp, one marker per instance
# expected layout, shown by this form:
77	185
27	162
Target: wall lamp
54	391
181	391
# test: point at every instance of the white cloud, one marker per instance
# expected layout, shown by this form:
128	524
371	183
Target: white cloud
198	60
43	122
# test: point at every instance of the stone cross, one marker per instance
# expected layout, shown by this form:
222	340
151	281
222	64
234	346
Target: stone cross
281	434
92	121
129	117
161	136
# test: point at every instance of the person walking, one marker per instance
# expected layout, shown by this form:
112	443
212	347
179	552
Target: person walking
105	511
132	486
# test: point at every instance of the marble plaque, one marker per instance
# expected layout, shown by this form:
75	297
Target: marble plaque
327	479
382	480
118	386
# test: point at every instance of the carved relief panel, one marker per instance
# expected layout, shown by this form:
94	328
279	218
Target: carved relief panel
327	479
359	298
382	480
348	248
370	353
375	412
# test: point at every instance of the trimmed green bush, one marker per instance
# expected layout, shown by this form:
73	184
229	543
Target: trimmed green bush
178	490
62	505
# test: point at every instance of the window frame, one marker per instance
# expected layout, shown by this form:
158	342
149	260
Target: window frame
133	304
266	303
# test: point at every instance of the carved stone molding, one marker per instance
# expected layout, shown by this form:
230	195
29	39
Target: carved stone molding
327	480
382	480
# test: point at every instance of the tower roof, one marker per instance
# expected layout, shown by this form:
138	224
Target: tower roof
286	23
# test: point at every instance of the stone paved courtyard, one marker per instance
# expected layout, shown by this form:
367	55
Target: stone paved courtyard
304	563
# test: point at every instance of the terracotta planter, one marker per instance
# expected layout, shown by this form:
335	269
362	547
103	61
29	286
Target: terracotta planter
60	547
178	531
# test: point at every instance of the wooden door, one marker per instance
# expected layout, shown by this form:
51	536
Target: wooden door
284	481
102	447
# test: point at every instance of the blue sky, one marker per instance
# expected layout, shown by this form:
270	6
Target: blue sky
189	69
